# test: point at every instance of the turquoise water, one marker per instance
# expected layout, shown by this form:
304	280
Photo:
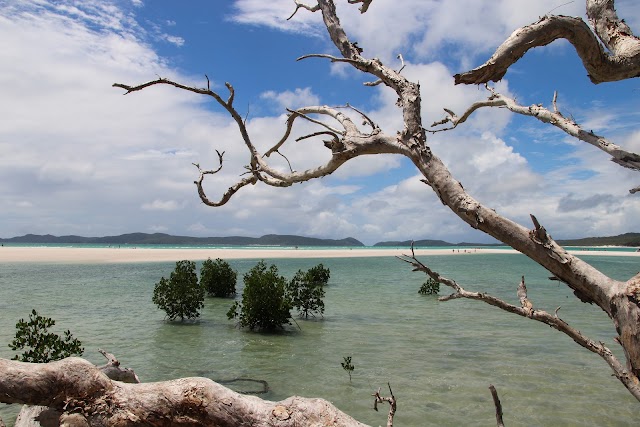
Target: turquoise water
439	357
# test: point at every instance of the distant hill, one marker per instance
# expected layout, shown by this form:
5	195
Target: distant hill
416	243
627	239
167	239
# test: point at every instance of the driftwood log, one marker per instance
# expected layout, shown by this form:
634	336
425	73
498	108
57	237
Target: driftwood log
83	395
43	416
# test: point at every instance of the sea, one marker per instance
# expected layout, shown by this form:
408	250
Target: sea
439	358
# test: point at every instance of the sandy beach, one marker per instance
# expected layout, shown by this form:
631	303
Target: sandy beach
10	254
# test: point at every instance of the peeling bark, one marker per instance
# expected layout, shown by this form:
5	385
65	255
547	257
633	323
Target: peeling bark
620	63
84	395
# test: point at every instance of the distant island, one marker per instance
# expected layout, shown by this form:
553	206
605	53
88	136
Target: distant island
167	239
627	239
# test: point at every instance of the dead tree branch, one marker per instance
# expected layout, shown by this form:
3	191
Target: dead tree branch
300	5
618	154
497	404
621	62
391	400
527	310
365	4
351	140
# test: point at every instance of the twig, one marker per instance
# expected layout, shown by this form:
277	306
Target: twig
497	404
300	5
392	404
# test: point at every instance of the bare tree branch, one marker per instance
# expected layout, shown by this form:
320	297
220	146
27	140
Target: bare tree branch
353	143
622	63
526	309
619	155
612	31
300	5
365	4
497	404
391	400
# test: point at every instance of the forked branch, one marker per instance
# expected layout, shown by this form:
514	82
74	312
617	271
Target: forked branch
315	8
568	125
391	400
526	309
346	143
623	61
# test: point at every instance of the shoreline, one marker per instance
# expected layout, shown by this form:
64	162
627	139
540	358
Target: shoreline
9	254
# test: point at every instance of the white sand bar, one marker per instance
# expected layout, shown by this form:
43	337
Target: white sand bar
9	254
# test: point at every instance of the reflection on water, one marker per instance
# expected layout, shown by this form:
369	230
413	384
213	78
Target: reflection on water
439	357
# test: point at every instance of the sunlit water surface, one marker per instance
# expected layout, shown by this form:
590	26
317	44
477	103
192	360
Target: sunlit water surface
439	357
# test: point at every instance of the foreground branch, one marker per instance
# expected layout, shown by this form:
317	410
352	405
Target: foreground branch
526	309
624	63
79	390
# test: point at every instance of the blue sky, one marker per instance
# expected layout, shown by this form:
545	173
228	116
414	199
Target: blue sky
77	157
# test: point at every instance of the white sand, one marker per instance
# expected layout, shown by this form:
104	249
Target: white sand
129	254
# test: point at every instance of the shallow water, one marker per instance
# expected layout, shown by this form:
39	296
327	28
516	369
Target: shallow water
439	357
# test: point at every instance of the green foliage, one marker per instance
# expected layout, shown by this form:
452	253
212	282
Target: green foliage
218	278
347	366
306	290
265	304
180	296
430	287
45	346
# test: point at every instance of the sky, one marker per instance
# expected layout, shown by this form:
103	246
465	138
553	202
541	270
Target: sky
79	158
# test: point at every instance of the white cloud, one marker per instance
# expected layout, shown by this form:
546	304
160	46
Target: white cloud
77	145
299	97
162	205
274	14
466	27
84	159
174	40
498	155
